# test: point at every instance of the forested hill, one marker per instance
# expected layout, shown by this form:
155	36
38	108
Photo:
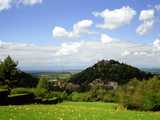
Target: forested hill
109	70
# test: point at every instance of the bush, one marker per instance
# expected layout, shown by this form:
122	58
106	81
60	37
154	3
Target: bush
70	87
142	95
4	96
41	96
51	101
75	96
109	96
37	92
97	92
43	83
3	87
53	94
40	92
19	99
4	93
21	91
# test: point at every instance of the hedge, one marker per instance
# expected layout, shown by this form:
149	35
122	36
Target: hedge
19	99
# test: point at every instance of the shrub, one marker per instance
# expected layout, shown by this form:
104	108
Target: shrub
70	87
109	96
75	96
53	94
18	99
21	90
51	101
40	92
43	83
97	92
3	86
4	96
4	93
37	92
142	95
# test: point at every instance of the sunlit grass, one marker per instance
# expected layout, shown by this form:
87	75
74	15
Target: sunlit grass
74	111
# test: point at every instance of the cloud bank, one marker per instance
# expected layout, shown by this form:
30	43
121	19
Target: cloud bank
82	53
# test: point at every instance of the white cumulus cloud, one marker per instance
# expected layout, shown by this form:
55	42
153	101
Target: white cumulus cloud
156	43
30	2
105	39
60	32
147	18
116	18
157	7
125	53
146	15
145	27
5	4
68	48
79	28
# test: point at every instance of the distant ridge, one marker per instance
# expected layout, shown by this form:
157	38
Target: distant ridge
152	70
109	70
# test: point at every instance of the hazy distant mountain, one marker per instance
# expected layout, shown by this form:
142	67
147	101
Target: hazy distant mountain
152	70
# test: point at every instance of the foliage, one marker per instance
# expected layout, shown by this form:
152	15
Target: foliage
40	92
22	90
11	76
4	93
18	99
51	101
109	71
3	87
97	93
43	83
27	80
70	87
77	96
143	95
55	94
54	75
8	72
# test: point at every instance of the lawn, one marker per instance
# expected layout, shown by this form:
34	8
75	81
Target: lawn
74	111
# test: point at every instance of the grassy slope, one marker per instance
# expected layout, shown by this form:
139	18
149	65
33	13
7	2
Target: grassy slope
73	111
54	75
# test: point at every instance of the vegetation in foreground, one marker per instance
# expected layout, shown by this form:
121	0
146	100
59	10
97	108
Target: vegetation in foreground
137	93
74	111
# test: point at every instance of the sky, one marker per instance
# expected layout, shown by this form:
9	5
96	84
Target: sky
74	34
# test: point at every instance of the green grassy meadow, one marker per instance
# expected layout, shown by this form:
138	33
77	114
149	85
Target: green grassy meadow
74	111
54	75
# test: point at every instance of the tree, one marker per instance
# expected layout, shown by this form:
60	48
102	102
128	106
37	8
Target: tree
9	72
43	83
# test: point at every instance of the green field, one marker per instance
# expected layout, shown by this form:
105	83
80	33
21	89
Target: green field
54	75
74	111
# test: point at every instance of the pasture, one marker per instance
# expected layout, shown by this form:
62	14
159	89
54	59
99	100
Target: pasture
74	111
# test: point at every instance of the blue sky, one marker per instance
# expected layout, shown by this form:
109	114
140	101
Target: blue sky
33	22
